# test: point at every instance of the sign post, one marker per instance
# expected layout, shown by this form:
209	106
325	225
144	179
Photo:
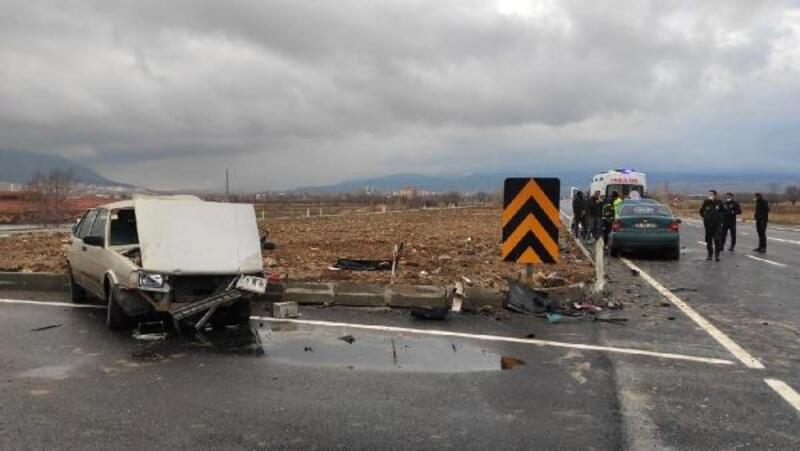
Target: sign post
531	221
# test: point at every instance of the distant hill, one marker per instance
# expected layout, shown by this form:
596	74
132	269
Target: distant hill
18	166
493	182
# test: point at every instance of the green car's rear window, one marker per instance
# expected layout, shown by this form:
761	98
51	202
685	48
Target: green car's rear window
645	210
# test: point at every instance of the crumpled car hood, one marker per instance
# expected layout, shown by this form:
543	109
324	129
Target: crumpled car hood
180	236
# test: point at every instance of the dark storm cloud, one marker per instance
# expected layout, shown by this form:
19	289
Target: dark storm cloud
145	89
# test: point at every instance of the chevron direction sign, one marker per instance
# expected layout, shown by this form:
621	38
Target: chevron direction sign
531	220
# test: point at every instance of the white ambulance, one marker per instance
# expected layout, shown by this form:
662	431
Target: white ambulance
623	181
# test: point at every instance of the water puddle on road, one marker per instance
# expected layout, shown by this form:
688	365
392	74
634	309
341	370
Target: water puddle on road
314	347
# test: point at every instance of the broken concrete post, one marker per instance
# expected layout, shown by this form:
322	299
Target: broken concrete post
283	310
359	295
599	268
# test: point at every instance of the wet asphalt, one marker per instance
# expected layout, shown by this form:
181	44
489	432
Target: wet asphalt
78	385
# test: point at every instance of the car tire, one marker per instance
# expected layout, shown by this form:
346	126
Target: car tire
116	318
76	292
675	253
613	251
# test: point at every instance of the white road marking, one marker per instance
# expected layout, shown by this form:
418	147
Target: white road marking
498	338
743	356
51	304
702	242
764	260
786	392
781	240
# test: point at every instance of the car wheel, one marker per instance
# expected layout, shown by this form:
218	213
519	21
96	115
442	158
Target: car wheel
675	254
116	318
613	251
76	292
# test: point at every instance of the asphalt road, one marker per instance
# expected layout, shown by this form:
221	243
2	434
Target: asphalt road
662	381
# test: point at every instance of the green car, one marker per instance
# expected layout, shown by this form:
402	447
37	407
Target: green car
646	226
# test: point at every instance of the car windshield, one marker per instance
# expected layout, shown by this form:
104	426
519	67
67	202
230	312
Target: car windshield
645	210
123	228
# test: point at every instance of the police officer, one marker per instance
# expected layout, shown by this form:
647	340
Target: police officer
712	211
732	210
762	218
578	210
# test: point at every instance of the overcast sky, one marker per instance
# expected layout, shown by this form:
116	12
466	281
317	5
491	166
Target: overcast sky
167	94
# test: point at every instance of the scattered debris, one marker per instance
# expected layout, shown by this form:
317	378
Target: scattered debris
634	273
588	306
619	321
432	313
51	326
347	264
530	336
308	349
665	304
150	331
671	318
349	339
147	355
523	299
509	363
283	310
553	318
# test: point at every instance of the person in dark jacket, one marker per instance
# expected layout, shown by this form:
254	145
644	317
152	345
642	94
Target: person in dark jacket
578	211
732	210
594	213
609	216
712	211
762	218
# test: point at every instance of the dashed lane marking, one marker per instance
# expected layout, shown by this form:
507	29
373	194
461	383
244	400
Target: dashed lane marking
499	338
764	260
743	356
785	391
781	240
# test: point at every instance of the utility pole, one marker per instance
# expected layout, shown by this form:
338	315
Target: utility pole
227	186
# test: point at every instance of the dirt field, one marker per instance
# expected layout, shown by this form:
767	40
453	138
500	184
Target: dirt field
441	247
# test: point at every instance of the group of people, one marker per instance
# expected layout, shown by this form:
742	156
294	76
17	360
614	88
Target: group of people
594	217
719	220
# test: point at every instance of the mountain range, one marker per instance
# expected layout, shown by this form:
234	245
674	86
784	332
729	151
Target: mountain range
493	182
18	166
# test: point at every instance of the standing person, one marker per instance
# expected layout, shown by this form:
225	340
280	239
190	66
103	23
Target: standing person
712	211
732	210
762	218
578	209
594	212
608	217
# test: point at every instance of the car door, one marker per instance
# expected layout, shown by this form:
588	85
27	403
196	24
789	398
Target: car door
94	258
77	250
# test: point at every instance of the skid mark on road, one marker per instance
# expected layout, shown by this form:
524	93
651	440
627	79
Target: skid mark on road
785	391
743	356
498	338
764	260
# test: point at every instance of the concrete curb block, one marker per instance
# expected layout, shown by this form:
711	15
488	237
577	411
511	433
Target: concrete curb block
34	281
306	293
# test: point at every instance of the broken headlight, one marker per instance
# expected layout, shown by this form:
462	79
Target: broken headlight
151	280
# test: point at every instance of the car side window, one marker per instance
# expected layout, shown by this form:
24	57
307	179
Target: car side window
86	224
99	226
78	224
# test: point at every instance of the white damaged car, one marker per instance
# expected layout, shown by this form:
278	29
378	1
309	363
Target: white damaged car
197	261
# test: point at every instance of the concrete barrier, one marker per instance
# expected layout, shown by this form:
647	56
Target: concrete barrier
34	281
306	293
360	295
